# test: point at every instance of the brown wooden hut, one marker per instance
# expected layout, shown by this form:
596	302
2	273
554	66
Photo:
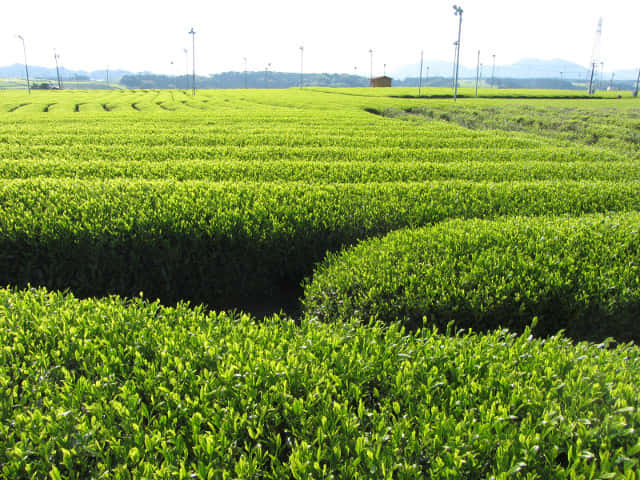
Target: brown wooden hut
381	81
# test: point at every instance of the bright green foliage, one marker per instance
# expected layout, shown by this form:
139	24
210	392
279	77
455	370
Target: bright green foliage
229	196
232	195
224	243
615	128
578	274
130	389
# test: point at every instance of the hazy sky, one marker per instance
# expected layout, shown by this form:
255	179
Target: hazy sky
142	35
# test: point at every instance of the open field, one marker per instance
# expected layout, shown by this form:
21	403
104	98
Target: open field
382	212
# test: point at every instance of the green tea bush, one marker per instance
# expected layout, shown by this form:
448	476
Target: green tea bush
222	244
578	274
123	389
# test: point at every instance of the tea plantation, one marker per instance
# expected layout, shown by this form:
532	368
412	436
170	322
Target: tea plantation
455	285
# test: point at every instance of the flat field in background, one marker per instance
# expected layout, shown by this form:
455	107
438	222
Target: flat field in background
366	205
230	198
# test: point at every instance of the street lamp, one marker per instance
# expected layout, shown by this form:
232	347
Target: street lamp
266	75
193	51
493	71
245	72
186	68
26	68
477	73
56	56
371	69
301	65
458	13
420	80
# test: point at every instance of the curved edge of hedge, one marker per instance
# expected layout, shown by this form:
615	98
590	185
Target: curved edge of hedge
125	388
580	274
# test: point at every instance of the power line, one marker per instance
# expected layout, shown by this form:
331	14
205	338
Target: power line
595	56
56	56
193	52
458	12
26	67
493	71
477	73
420	81
301	65
371	67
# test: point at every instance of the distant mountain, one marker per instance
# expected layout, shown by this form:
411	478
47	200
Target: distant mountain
526	68
436	68
258	79
534	68
47	73
439	72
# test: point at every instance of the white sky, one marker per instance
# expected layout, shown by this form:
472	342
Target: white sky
139	35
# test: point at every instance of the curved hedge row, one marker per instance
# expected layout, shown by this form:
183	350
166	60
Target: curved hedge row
578	274
129	389
22	151
222	244
318	171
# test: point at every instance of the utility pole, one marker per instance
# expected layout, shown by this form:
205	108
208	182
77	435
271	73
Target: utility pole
56	57
635	92
457	12
493	71
266	75
477	73
420	80
595	55
26	67
186	69
371	68
245	72
301	65
193	52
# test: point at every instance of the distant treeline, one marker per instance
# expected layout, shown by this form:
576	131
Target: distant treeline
262	79
268	79
515	83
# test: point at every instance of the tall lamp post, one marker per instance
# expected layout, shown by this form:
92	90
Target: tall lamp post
186	69
371	68
245	72
26	68
457	12
193	52
56	56
478	73
420	80
493	71
301	65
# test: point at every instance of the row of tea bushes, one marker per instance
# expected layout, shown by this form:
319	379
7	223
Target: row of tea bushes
223	243
332	171
125	389
578	274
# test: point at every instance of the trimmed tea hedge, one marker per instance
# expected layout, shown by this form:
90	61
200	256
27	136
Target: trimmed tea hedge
128	389
222	244
578	274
